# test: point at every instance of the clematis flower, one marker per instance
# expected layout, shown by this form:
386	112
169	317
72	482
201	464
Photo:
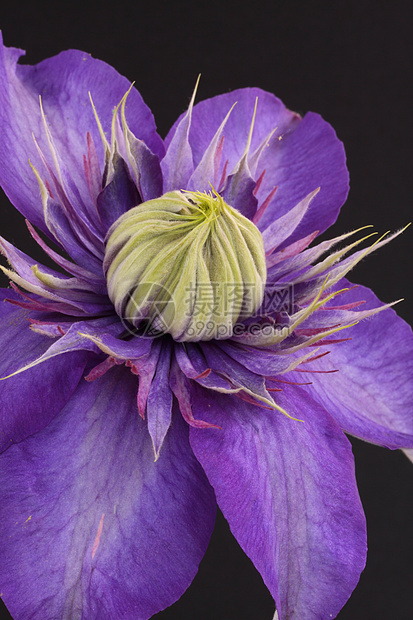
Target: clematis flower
194	345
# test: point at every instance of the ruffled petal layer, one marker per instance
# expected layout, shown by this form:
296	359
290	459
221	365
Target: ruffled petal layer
31	399
371	395
64	83
208	115
288	491
91	526
302	154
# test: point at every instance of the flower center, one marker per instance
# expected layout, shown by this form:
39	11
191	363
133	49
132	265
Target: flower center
186	264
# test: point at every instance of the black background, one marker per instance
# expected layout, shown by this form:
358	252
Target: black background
349	61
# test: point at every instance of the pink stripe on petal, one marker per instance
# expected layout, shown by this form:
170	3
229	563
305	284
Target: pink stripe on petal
98	535
260	212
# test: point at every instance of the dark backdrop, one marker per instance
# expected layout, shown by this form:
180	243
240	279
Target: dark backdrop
347	60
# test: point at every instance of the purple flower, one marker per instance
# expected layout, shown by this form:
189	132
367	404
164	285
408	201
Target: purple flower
190	348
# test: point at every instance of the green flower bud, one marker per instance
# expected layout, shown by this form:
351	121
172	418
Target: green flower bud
186	264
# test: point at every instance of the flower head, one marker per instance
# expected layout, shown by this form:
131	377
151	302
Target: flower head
194	345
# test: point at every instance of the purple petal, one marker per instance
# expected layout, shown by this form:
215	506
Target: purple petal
260	361
181	387
282	228
56	180
289	493
109	342
92	526
302	155
159	404
145	167
73	294
177	165
371	396
145	367
95	282
206	172
80	336
302	260
208	115
305	159
193	364
61	228
64	82
118	196
31	399
239	192
229	368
